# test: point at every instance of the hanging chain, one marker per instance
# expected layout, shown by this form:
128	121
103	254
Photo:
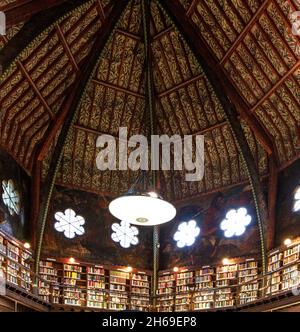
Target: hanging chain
150	127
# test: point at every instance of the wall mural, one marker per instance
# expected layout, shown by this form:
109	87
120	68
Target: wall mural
211	245
96	244
14	209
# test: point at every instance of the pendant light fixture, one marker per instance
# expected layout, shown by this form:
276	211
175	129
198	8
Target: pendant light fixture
142	205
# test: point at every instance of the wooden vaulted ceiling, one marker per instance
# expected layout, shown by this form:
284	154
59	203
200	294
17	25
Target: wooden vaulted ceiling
251	41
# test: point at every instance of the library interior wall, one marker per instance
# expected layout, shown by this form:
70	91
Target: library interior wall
288	221
96	245
211	246
17	225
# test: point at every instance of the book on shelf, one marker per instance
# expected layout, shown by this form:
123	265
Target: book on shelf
204	300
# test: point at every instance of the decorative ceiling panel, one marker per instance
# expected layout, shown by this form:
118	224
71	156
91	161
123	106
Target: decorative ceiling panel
252	43
34	89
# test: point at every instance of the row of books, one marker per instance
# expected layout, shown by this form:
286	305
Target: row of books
95	287
197	290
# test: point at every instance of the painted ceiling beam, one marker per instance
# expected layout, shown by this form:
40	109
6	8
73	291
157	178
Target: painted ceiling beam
20	11
215	72
72	106
176	12
33	28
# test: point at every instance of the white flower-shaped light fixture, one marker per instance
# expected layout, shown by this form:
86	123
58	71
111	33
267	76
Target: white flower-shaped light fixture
125	234
11	197
235	222
69	223
297	200
186	234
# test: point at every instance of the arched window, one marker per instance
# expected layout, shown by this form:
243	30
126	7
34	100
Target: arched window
297	200
69	223
186	234
11	197
235	222
125	234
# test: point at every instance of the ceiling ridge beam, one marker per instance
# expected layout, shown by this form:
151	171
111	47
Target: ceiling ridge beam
276	86
39	23
118	88
129	34
35	89
33	85
180	85
247	28
66	47
72	105
175	11
20	11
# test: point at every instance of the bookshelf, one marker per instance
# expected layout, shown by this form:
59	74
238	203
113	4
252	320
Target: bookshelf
74	282
204	286
118	290
166	292
25	280
96	287
226	277
184	281
247	279
13	268
291	274
49	274
114	288
140	291
274	277
2	257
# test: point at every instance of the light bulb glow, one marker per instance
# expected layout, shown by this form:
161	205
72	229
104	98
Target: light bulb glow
72	260
287	242
176	269
27	245
225	261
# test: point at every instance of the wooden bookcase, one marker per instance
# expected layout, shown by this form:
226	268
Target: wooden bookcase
204	288
96	287
166	291
247	279
49	275
274	272
291	271
115	288
74	281
226	277
140	291
184	281
119	284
